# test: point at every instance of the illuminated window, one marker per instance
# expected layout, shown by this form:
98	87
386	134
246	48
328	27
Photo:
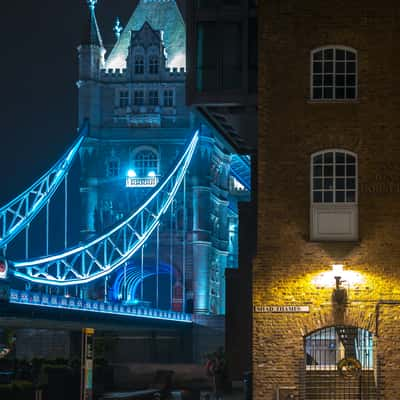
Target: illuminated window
168	98
123	98
113	168
153	98
139	65
334	212
138	97
334	74
153	64
146	161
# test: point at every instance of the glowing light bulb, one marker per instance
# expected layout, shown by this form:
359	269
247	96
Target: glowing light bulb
152	174
337	269
131	173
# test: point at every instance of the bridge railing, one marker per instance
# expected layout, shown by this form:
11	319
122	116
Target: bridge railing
77	304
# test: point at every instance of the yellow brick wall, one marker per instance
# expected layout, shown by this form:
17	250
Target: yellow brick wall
291	128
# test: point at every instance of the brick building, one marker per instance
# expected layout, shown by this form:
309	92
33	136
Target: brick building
326	275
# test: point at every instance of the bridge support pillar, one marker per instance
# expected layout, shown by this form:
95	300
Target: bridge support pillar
201	249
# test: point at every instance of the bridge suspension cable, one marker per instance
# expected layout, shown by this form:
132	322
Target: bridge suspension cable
100	257
19	213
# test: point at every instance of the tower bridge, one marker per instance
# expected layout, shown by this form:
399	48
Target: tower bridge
159	191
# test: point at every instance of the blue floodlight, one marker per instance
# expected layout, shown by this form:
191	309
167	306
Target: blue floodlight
131	173
151	174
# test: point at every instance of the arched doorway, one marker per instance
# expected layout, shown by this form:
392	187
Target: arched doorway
340	364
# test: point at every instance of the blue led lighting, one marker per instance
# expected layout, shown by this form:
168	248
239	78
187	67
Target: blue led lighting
18	213
42	275
131	173
76	304
129	279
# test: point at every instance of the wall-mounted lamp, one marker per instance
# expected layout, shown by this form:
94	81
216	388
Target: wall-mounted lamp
337	270
339	295
336	276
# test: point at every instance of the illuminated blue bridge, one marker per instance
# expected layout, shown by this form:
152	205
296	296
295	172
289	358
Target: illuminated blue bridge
96	259
159	191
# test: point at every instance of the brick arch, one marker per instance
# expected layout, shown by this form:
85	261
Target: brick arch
323	319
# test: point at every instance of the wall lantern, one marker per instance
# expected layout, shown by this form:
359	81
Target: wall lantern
337	276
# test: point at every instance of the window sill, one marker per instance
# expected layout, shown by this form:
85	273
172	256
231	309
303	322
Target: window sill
326	101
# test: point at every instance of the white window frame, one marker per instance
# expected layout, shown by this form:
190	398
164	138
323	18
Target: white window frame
333	220
334	75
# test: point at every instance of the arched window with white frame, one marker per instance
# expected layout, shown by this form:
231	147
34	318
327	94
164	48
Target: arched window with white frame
334	73
334	195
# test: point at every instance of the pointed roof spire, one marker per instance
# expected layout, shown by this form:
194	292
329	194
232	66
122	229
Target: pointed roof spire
93	35
162	15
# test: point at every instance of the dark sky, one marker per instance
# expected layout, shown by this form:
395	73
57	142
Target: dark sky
38	71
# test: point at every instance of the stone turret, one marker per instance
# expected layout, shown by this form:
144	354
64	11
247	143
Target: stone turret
91	61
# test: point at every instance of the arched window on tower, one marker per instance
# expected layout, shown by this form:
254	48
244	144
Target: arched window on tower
139	64
146	163
334	210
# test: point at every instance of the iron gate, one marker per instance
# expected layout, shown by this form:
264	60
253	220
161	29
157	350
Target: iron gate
340	364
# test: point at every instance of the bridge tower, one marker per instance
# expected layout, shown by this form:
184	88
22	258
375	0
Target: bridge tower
135	100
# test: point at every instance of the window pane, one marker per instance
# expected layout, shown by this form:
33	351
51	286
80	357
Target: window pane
350	159
340	67
328	80
351	170
350	80
318	159
328	67
317	93
317	171
318	55
328	183
317	197
328	158
339	93
328	93
339	158
328	54
317	67
339	196
328	197
340	54
339	170
350	55
317	80
351	68
340	183
351	183
328	170
339	80
351	197
317	183
350	93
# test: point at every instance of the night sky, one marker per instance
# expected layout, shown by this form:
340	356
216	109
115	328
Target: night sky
39	98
